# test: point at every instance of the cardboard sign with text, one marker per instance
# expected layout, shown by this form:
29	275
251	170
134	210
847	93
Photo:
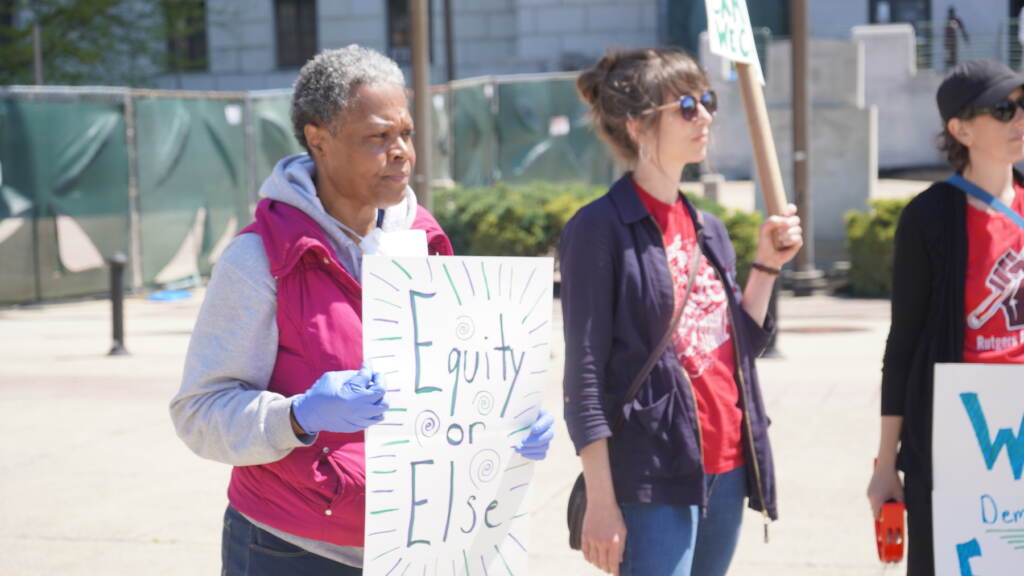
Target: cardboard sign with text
463	347
978	461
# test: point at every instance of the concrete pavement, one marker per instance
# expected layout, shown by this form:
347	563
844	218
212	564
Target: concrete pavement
93	479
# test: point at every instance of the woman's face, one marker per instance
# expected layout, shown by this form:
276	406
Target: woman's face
992	140
369	157
675	141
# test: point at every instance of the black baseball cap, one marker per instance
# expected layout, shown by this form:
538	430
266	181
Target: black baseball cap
976	83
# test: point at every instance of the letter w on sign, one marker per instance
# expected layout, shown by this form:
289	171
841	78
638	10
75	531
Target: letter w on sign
990	449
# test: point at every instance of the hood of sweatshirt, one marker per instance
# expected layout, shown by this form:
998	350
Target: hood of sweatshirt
292	182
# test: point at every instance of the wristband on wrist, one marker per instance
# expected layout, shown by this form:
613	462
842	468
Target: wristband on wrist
765	268
296	427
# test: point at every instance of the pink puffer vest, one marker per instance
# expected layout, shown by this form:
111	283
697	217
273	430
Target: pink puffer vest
316	491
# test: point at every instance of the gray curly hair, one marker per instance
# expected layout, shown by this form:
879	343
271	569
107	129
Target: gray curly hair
325	84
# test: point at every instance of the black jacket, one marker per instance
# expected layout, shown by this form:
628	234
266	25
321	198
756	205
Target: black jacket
928	320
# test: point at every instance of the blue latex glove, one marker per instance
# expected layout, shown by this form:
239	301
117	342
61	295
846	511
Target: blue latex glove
535	446
342	401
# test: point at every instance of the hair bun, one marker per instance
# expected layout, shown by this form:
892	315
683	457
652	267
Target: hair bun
592	80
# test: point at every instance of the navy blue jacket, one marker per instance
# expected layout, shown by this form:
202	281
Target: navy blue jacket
617	301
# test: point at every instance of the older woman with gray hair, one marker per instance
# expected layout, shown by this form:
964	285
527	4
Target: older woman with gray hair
274	381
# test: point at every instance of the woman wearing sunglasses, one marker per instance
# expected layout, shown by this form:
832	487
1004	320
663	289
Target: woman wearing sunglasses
957	272
650	303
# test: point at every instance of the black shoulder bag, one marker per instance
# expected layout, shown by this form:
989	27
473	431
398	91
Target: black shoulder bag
578	497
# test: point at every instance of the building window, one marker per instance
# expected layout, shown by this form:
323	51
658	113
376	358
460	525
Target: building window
186	35
6	14
912	11
7	31
917	13
400	31
295	22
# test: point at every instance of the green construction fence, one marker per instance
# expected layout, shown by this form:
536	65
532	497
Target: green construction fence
64	170
168	178
193	183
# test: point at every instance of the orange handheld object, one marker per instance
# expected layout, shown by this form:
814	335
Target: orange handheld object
889	532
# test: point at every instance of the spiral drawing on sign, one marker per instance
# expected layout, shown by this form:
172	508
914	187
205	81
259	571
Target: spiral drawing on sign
464	328
483	402
485	467
427	424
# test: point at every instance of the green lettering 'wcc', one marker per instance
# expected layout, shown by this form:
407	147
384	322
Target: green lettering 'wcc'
732	27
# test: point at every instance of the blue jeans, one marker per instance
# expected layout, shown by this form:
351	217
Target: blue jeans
247	550
666	540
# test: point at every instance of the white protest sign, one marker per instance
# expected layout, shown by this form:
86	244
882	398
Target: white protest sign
730	34
978	461
463	347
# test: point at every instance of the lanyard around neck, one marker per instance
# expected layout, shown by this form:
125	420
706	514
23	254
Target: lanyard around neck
991	201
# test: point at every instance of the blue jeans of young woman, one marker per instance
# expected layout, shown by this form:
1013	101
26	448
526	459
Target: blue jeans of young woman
676	541
247	550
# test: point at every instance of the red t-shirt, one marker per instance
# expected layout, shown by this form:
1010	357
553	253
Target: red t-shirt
994	289
703	341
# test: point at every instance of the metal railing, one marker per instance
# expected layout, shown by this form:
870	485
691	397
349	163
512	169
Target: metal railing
940	49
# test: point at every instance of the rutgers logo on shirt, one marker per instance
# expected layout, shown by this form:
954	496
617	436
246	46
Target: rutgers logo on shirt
1006	296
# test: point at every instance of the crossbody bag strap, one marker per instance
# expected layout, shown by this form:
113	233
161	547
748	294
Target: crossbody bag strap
666	339
991	201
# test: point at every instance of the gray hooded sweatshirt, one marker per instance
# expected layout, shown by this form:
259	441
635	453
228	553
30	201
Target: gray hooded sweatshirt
223	410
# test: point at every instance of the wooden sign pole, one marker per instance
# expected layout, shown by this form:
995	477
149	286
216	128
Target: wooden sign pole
761	137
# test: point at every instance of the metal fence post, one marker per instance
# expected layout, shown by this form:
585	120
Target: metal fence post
134	209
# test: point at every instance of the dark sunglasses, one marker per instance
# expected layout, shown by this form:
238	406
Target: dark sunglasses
1002	111
688	105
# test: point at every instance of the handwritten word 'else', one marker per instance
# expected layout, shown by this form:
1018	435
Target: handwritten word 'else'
470	510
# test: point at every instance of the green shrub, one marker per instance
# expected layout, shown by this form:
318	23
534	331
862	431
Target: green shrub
869	237
702	203
744	228
527	219
505	220
513	228
561	208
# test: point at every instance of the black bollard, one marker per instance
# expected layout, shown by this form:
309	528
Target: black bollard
117	261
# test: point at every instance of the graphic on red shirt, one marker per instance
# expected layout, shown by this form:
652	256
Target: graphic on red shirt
703	341
994	287
1006	294
704	326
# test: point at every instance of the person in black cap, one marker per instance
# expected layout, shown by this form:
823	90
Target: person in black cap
957	283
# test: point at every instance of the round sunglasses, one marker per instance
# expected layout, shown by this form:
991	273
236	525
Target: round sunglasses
688	105
1002	111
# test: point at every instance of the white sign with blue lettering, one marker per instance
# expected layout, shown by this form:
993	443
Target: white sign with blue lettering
463	347
978	462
